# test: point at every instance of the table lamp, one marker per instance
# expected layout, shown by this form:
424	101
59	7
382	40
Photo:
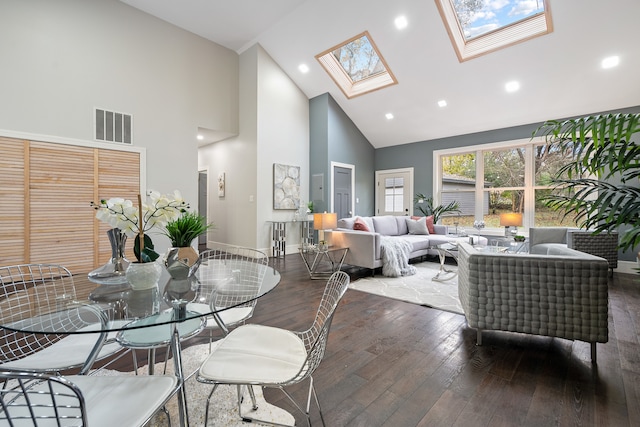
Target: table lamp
324	221
510	221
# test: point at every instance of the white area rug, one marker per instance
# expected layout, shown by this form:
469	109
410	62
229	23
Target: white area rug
417	289
223	410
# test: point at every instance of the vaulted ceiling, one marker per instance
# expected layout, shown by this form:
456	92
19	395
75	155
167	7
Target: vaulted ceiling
560	73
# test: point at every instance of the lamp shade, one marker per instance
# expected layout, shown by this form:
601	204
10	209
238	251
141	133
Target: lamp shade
511	219
325	221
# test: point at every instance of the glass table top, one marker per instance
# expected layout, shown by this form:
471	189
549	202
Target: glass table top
110	307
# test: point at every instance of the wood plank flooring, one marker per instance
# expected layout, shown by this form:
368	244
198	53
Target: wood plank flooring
396	364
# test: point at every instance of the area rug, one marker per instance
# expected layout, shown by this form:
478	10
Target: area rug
417	289
223	410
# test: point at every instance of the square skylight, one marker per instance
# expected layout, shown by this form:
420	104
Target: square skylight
477	27
356	66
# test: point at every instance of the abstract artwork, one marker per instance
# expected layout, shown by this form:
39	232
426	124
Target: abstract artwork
286	186
221	184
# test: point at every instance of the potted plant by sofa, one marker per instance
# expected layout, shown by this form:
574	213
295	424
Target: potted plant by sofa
600	184
425	205
183	230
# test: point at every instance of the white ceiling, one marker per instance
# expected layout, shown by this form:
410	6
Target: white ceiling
559	73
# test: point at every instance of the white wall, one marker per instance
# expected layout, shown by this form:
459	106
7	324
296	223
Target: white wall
274	128
62	58
283	137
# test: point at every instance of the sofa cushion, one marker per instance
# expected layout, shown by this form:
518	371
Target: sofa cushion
346	223
385	225
402	225
360	224
417	226
430	226
419	242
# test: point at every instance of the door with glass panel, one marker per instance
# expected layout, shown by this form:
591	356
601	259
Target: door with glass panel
394	190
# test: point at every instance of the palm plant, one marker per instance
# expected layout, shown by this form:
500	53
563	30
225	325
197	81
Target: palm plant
600	184
437	211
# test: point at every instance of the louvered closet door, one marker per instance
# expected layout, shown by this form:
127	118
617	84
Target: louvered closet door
118	176
46	190
12	196
61	182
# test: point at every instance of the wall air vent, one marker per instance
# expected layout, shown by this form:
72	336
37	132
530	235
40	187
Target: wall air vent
113	127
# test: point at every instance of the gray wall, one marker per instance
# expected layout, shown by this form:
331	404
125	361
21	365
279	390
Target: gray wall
420	155
335	138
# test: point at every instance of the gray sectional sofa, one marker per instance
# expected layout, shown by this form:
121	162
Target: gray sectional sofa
364	246
563	295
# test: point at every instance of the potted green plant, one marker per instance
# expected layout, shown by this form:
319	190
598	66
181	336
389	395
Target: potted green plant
600	184
183	230
425	205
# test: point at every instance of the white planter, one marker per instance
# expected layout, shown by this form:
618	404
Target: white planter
143	275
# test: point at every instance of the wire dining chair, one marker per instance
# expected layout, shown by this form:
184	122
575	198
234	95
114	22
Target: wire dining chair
44	296
43	399
228	276
258	355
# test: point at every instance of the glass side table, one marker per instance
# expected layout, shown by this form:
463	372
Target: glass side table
329	258
444	250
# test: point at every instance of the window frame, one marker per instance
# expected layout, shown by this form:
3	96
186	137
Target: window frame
528	217
509	35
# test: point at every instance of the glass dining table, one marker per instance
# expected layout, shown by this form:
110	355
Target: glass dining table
109	308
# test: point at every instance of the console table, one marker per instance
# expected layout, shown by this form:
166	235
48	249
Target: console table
279	235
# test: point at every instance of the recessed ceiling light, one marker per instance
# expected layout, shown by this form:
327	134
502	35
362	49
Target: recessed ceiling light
200	137
389	116
442	103
610	62
401	22
304	68
512	86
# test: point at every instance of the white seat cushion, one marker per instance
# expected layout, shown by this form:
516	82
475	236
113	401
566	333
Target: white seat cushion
119	400
255	353
70	351
229	317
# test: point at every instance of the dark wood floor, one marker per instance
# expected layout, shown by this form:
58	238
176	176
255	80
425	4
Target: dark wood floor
390	363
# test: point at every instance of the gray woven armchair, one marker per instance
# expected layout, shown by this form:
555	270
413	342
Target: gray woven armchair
550	240
603	245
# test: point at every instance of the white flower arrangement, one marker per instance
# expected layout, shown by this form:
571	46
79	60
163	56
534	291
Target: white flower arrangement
478	225
138	221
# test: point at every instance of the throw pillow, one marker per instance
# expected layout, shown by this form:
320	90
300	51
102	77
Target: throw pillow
430	226
360	225
417	226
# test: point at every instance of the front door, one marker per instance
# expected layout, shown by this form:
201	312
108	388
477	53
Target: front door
394	190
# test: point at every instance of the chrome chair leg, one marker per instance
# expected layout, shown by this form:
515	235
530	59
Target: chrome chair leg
206	409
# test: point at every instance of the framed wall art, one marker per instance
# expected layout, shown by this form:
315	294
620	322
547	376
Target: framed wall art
286	187
221	184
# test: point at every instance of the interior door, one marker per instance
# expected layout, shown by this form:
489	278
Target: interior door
394	192
342	192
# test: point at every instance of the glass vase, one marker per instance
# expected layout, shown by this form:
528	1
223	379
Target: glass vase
114	271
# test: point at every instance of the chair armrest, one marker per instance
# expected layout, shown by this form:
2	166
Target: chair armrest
364	247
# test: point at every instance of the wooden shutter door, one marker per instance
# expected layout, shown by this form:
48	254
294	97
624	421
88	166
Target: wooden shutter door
118	175
12	197
46	190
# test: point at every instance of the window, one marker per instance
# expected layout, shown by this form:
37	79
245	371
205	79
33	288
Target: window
477	27
394	194
512	177
356	66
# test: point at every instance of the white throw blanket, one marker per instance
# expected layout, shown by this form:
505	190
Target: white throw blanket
395	257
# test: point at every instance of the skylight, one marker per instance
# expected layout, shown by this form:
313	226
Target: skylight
477	27
356	66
